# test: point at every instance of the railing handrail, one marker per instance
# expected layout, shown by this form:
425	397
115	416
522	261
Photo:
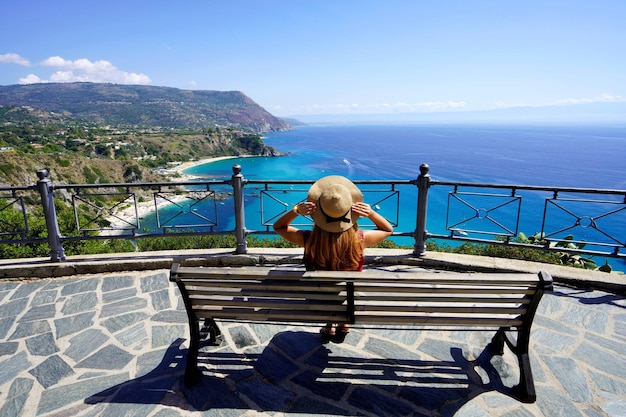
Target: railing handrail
140	184
13	188
433	182
530	187
304	182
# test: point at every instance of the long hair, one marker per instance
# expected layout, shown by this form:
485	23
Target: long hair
334	251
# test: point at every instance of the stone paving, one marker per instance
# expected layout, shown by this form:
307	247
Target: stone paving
114	345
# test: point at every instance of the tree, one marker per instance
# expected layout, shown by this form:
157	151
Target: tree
133	173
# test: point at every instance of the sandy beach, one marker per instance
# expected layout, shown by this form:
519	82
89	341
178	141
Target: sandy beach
180	168
126	217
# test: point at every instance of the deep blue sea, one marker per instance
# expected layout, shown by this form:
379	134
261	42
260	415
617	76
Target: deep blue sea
583	156
576	156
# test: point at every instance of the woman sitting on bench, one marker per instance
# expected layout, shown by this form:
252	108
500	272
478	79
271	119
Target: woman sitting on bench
335	243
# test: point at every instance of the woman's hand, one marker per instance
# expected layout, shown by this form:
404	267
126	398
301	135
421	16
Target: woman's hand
306	208
362	209
383	227
283	227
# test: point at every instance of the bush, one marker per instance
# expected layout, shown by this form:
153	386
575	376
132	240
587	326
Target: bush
186	242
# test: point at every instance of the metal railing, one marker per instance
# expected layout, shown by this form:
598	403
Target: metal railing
563	219
576	220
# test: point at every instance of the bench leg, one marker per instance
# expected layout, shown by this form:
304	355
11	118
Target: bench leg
212	333
192	373
525	389
496	347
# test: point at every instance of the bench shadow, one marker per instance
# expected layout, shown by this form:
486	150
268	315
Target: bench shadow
296	373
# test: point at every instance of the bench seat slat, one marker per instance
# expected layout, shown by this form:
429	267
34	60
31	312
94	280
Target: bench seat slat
289	304
242	273
445	290
446	281
434	298
467	309
307	286
274	315
233	280
454	277
303	295
379	295
265	291
432	320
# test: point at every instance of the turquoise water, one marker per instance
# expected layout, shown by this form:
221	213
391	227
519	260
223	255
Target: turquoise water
563	156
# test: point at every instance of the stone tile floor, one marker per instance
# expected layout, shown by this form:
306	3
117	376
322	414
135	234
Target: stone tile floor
114	345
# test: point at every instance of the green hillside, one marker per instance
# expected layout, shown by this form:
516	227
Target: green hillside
144	106
122	133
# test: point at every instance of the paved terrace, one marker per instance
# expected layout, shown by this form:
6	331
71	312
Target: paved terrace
106	336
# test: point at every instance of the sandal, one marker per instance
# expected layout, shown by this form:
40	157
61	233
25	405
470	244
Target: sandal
341	333
328	333
211	332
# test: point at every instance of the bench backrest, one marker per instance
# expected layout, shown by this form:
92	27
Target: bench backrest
372	296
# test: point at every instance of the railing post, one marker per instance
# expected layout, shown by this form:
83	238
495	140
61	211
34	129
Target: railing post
423	184
240	218
57	253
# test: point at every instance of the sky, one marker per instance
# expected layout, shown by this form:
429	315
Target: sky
330	56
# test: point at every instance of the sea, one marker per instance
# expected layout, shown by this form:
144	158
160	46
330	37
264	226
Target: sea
557	155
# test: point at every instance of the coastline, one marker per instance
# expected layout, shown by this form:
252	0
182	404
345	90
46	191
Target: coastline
182	167
127	217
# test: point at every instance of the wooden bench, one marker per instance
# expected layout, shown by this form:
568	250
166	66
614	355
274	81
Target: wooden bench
504	302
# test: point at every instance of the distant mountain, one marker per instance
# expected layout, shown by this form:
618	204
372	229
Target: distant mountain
605	112
144	106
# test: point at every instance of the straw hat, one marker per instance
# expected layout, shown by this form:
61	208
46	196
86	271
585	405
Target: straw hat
334	196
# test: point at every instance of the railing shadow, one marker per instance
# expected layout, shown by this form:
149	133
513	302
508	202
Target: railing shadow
589	297
296	373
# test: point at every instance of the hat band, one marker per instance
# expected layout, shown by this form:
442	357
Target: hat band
330	219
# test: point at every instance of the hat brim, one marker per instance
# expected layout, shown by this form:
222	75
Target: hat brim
316	191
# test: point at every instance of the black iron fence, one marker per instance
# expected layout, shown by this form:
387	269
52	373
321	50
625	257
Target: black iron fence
575	220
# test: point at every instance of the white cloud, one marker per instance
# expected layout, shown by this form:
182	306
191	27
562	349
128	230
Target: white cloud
400	107
431	106
30	79
504	105
84	70
14	59
55	61
608	97
67	77
602	98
